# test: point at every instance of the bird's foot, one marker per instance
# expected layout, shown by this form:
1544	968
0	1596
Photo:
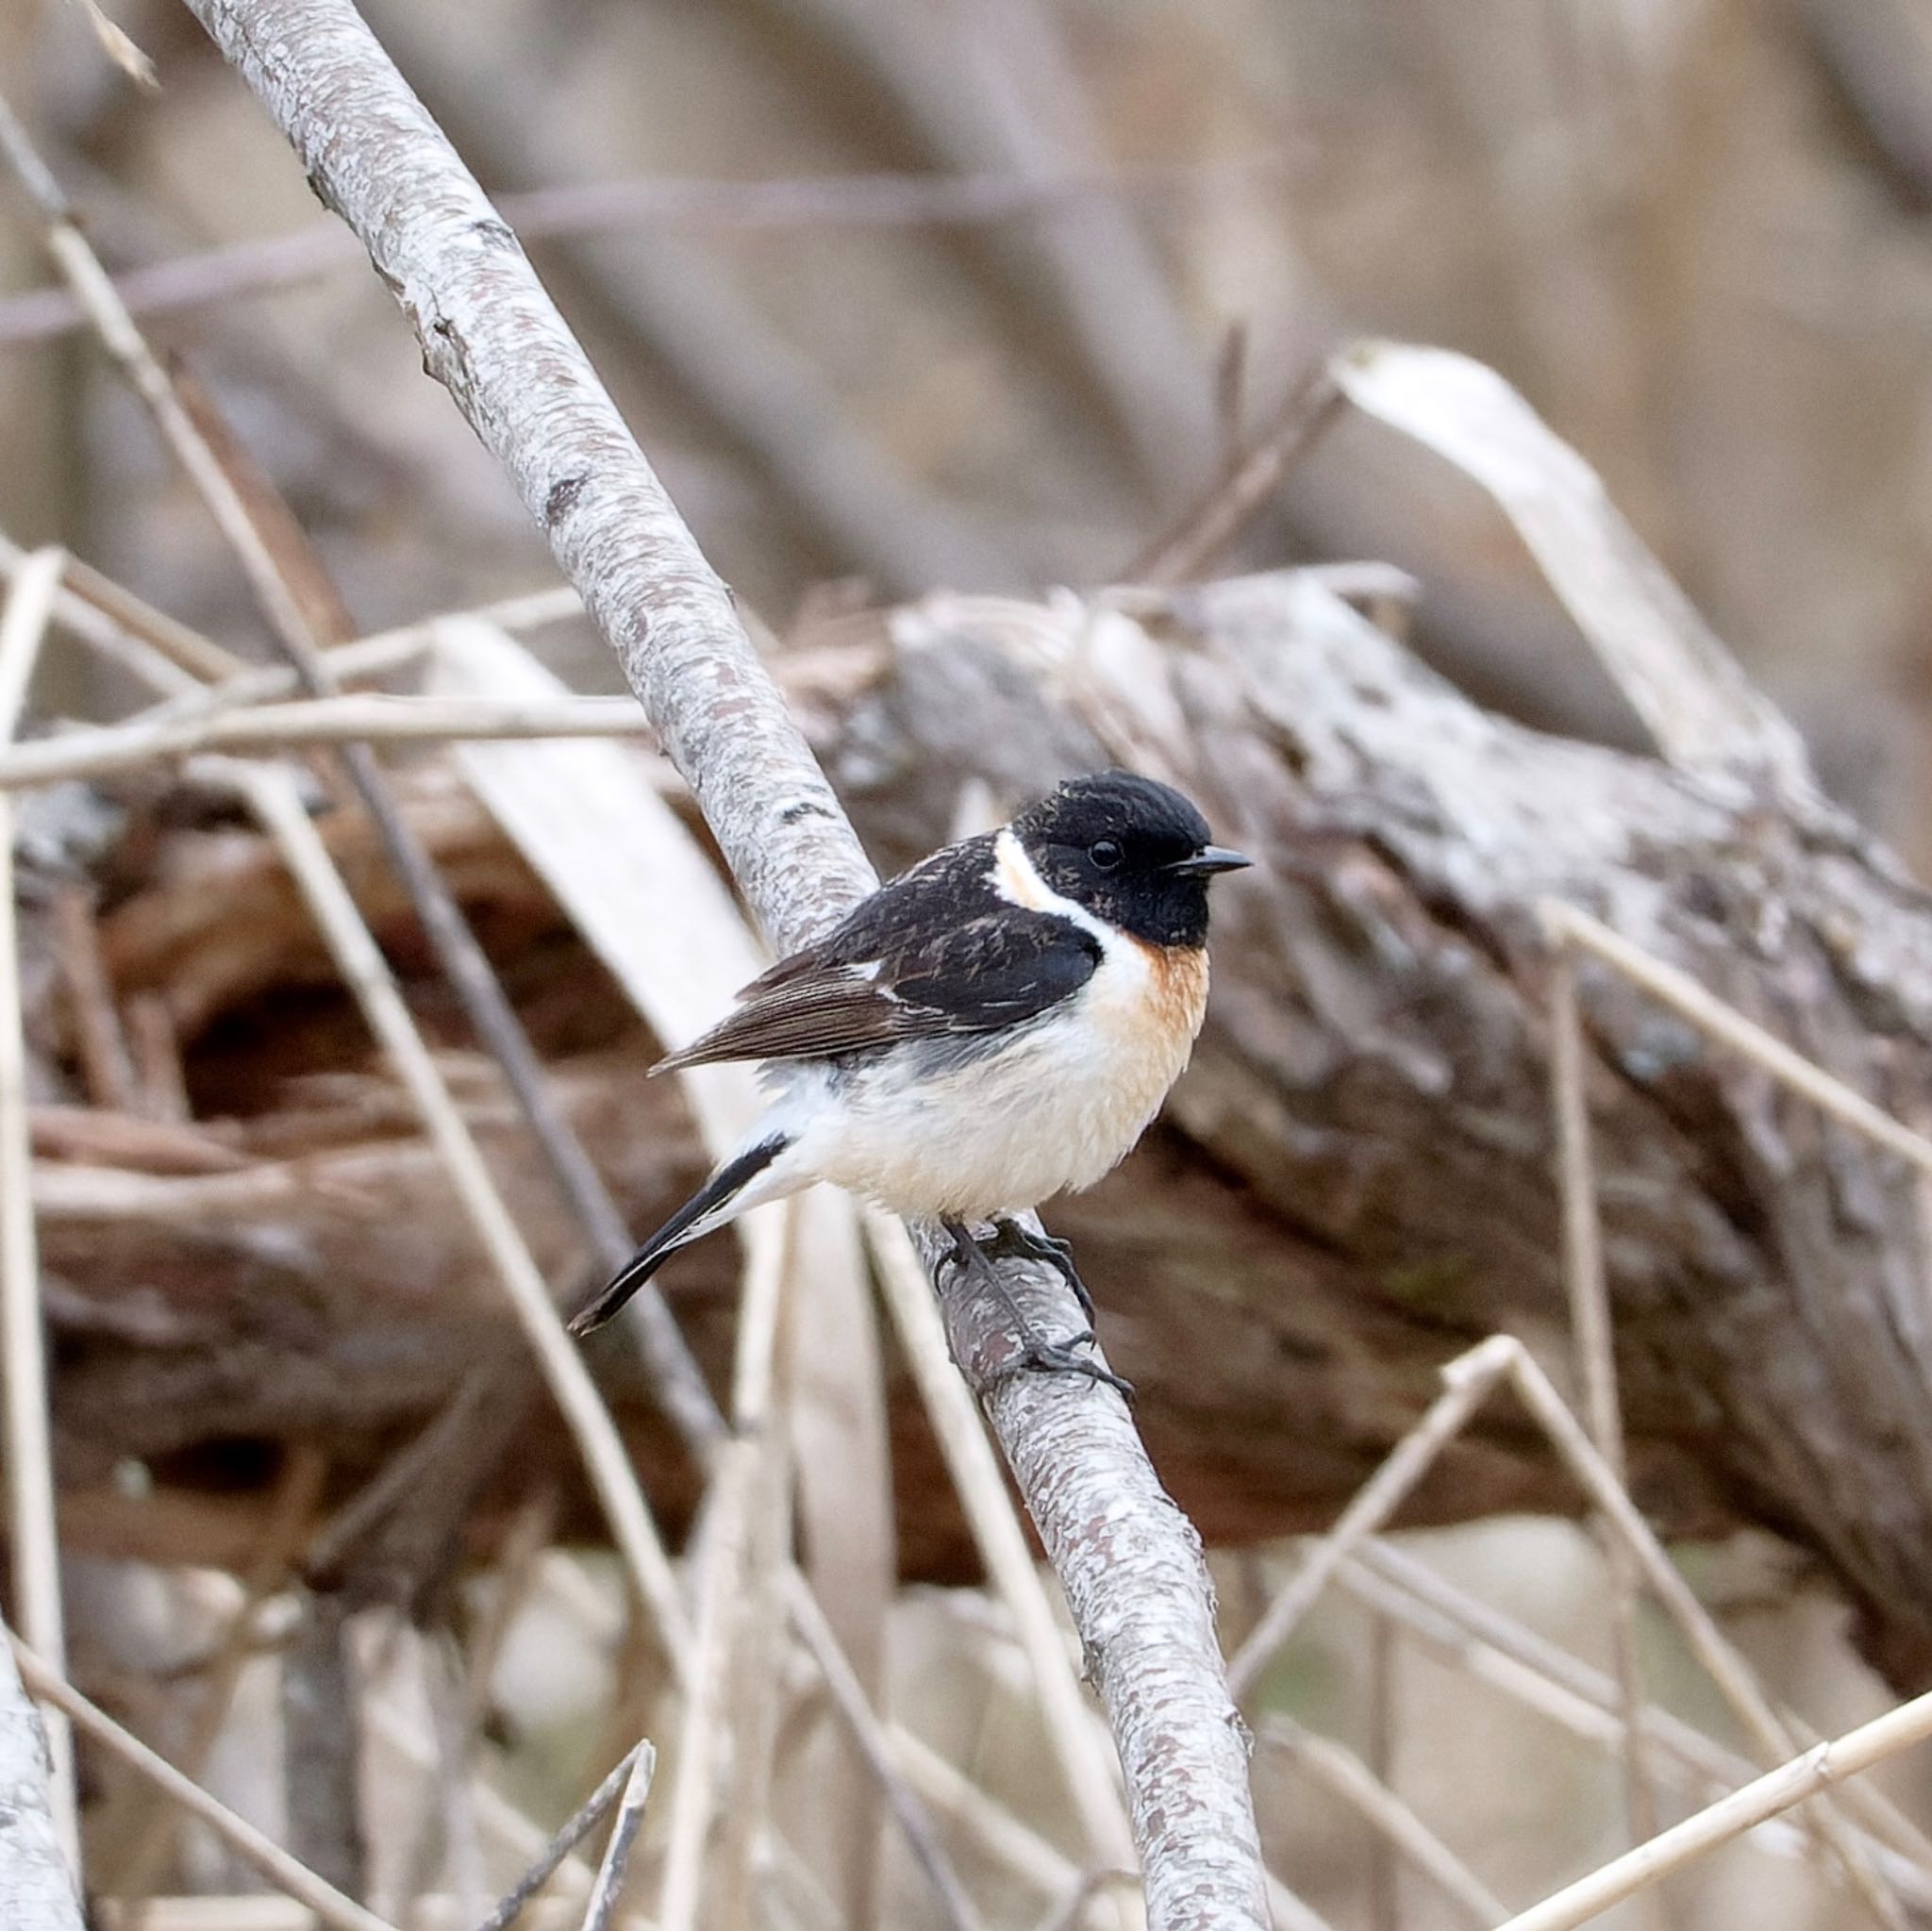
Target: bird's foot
1037	1355
1010	1240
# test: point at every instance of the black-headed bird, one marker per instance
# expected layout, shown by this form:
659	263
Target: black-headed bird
992	1028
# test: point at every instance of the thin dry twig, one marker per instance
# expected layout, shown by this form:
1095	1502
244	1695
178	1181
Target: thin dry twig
106	1064
1819	1768
1467	1382
653	204
848	1697
378	654
1383	1875
261	1854
1498	1649
1588	1296
513	1902
1341	1773
1471	1376
969	1808
273	797
162	652
369	718
1684	995
723	1582
289	585
1721	1661
1211	527
36	1537
608	1888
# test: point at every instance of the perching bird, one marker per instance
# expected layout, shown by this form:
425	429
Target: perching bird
994	1026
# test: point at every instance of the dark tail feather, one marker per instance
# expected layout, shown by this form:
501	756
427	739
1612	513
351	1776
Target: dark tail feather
718	1192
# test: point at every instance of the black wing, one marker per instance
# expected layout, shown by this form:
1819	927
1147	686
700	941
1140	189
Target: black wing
937	951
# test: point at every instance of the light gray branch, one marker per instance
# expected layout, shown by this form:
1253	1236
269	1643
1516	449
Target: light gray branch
36	1887
1126	1558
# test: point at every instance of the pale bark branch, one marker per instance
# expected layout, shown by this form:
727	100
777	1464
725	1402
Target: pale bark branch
36	1886
1129	1561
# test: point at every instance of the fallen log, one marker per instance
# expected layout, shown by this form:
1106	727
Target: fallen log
1353	1182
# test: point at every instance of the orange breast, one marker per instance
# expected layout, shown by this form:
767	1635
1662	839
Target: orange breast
1176	989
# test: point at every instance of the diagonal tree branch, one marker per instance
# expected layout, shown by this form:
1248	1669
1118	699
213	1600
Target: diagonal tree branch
36	1886
1129	1561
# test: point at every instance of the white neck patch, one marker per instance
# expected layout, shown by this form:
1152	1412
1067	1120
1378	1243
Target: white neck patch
1017	880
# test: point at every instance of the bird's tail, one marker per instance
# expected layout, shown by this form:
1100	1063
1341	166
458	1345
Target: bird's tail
717	1201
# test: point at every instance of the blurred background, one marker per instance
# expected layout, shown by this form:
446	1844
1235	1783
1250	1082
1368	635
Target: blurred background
979	295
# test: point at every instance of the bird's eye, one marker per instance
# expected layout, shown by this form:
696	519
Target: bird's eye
1105	854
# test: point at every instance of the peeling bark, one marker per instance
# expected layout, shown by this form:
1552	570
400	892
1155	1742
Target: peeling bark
36	1886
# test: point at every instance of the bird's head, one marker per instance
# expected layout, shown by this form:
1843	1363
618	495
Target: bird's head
1129	850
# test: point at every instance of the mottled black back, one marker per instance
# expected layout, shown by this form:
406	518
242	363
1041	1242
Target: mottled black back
934	953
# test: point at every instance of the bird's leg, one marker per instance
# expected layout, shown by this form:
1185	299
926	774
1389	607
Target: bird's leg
1011	1240
970	1257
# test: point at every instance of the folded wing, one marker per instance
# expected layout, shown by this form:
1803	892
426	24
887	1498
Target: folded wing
1005	968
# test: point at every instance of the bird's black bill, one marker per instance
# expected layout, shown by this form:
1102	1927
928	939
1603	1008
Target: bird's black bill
1208	860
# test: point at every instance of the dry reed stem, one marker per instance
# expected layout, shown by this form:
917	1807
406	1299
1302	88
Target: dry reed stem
104	613
1587	1291
1496	1649
268	544
723	1564
1212	526
378	654
1468	1380
1721	1661
114	641
107	1065
512	1906
1685	996
245	270
1547	1682
1820	1769
1384	1876
848	1698
182	645
999	1538
35	1538
1344	1774
274	799
1470	1377
31	595
89	281
608	1888
263	1912
260	1852
365	718
995	1832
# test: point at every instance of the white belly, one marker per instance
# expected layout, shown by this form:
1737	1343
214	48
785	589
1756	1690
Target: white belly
1056	1109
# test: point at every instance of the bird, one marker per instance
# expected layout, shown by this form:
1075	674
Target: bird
997	1024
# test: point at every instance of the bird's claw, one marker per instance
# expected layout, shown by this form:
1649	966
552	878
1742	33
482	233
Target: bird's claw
1011	1240
1037	1355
